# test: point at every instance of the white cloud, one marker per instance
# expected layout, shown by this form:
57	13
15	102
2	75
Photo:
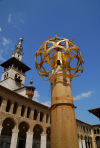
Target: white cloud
83	95
1	50
35	99
6	44
6	41
9	18
36	96
22	21
2	58
0	29
47	103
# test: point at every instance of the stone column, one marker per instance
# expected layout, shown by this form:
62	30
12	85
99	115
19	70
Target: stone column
87	145
90	145
80	144
83	142
38	116
49	119
43	140
44	118
32	115
11	108
18	112
14	138
1	129
4	104
25	112
94	145
29	139
63	121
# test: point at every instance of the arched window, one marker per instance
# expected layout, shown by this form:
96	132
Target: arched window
8	106
41	116
47	117
8	125
0	101
98	131
28	112
23	128
94	131
84	129
37	130
6	75
18	77
48	132
35	114
23	110
15	107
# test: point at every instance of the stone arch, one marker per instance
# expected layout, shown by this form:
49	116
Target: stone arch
23	128
8	124
41	116
15	107
35	114
48	132
38	129
1	101
81	136
9	102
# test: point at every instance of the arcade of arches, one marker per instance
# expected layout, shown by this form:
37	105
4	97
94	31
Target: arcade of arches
26	124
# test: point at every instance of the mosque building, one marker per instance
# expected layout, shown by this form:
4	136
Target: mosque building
25	123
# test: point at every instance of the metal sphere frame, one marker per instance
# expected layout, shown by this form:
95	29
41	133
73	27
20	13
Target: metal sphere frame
65	47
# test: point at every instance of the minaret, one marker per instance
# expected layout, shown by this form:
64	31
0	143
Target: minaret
18	50
13	76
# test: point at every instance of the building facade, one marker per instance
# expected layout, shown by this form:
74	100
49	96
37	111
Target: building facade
25	123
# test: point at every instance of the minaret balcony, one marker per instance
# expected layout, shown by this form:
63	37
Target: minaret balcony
30	93
17	79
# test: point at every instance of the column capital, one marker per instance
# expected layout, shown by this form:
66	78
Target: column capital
15	130
1	127
29	139
14	138
31	133
43	134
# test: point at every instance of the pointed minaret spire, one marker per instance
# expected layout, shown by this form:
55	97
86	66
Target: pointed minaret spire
31	82
18	50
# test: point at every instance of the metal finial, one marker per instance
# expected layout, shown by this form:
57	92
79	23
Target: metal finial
31	82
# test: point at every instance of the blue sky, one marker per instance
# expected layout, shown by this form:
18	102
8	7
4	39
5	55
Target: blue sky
39	21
